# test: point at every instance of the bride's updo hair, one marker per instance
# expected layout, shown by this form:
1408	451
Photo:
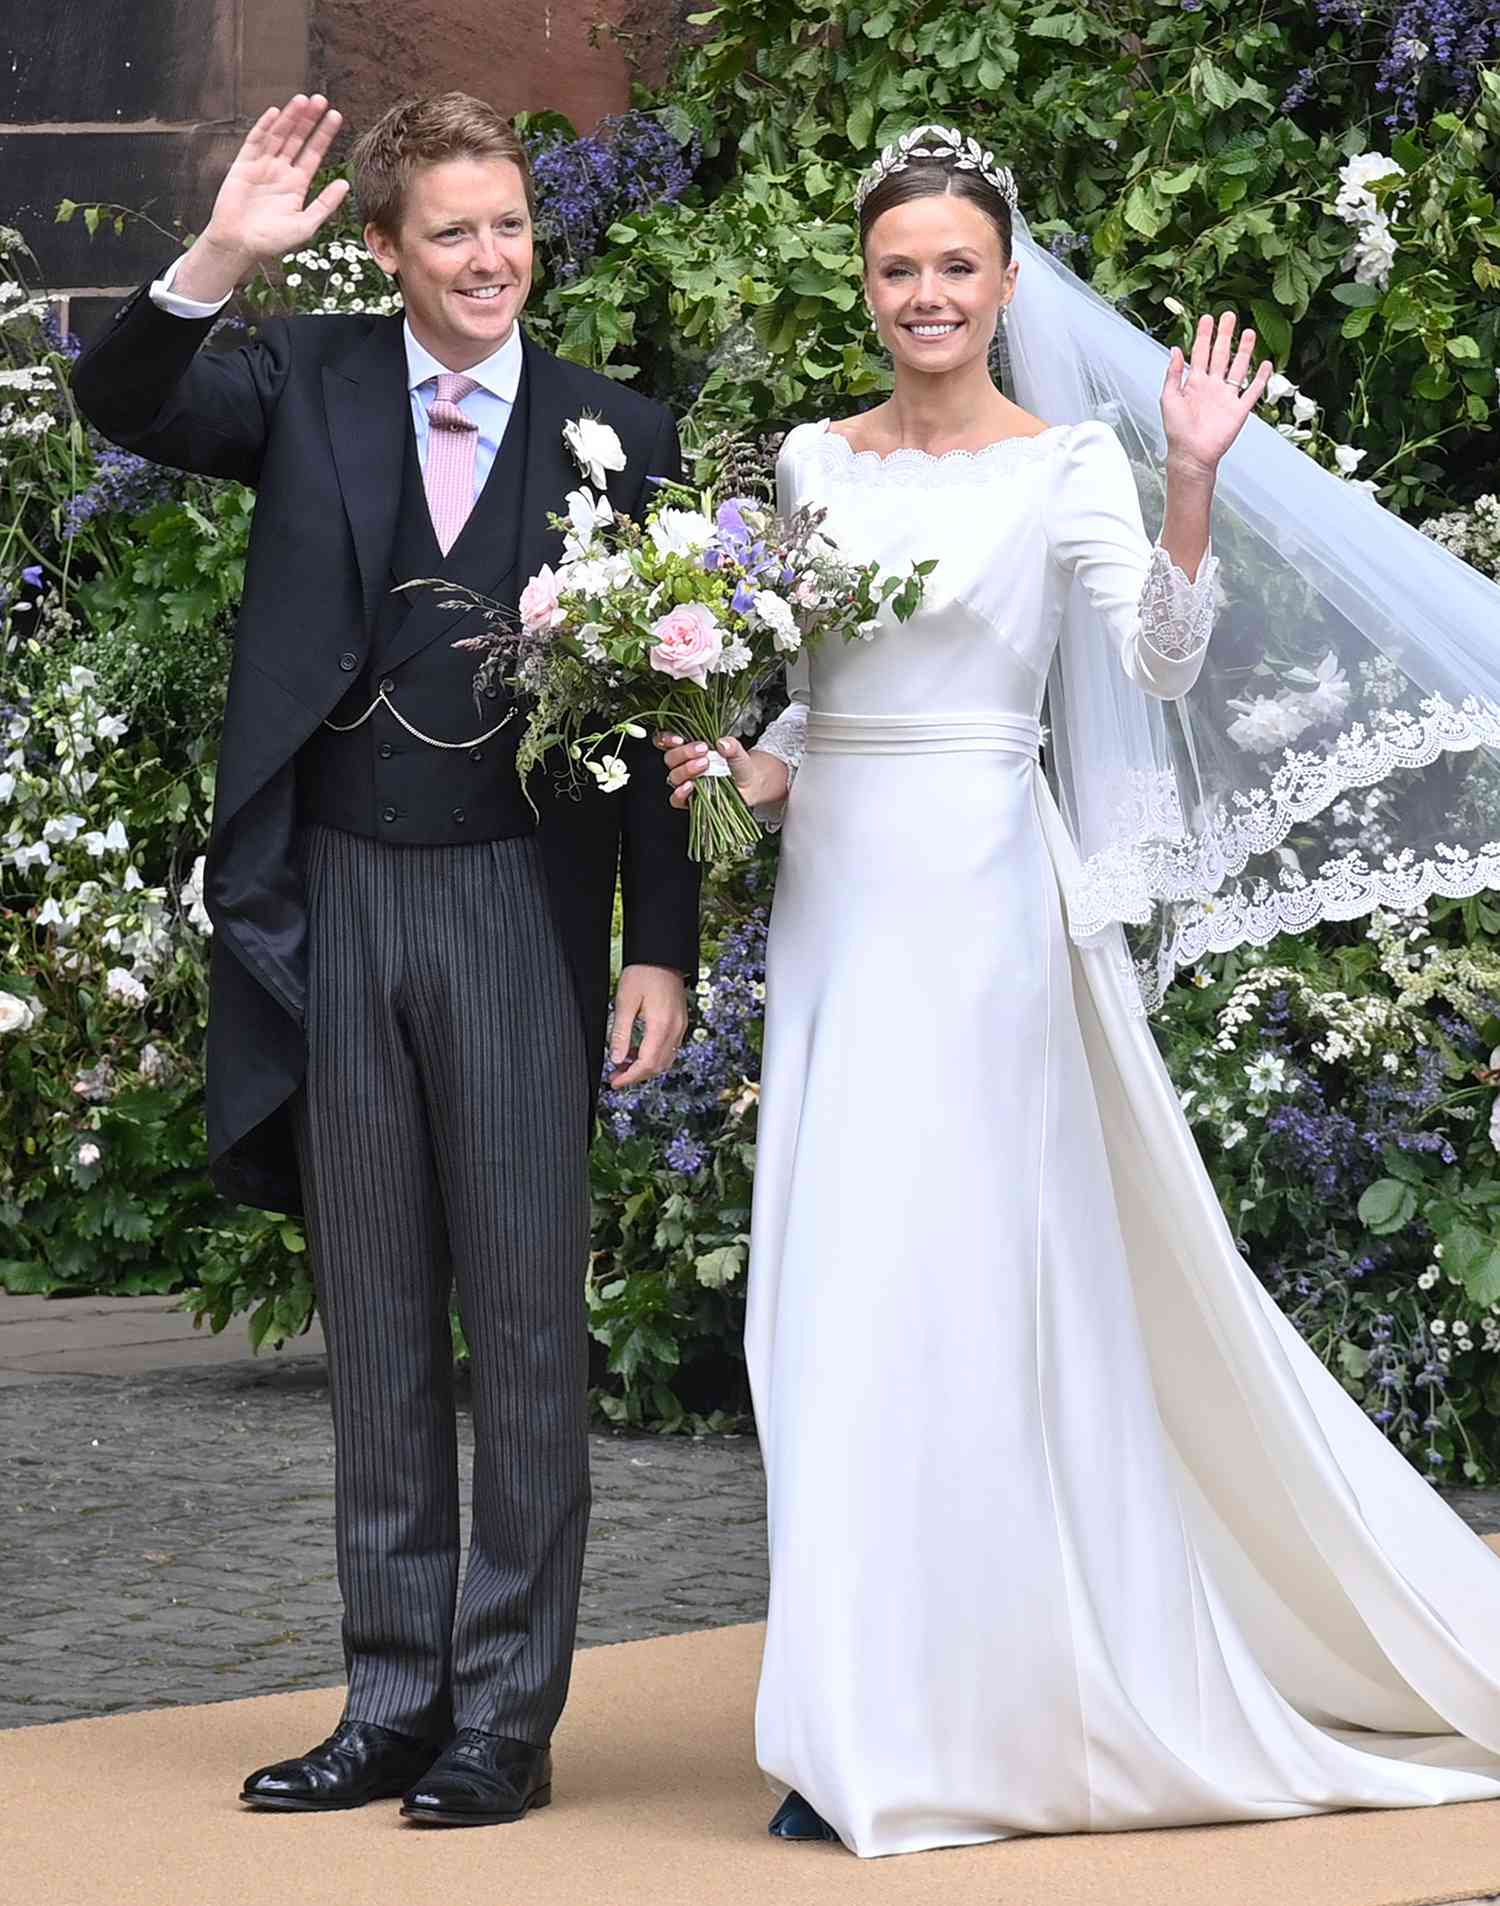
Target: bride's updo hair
931	178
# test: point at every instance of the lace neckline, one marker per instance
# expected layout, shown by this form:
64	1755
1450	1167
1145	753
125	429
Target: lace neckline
908	458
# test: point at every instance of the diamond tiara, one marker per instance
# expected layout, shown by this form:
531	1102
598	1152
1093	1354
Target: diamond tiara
939	142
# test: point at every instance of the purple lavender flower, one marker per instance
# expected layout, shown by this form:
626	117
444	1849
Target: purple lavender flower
124	485
32	575
585	185
686	1155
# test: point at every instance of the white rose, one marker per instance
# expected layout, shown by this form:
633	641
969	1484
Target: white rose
596	447
681	532
778	618
14	1016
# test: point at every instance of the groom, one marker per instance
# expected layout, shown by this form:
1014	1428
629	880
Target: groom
410	972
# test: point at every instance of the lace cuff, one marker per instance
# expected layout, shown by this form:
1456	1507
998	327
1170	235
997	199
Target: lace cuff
786	738
1177	616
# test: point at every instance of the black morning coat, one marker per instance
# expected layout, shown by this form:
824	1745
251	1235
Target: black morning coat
315	415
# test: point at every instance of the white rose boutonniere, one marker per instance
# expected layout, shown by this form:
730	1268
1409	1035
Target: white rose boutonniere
595	448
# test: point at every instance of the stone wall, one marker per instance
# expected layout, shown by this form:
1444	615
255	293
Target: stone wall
142	103
135	102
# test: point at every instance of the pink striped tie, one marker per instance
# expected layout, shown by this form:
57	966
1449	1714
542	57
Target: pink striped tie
452	443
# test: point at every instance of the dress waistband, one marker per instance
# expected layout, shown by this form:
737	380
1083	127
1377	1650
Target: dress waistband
923	734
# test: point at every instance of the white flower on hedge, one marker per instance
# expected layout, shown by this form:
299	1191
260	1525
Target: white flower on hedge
1373	255
79	682
7	786
191	897
112	727
88	1154
63	829
1348	458
113	840
1303	408
1265	723
681	532
778	618
596	448
51	914
1232	1135
13	1014
1327	698
121	984
38	854
611	773
1266	1074
153	1062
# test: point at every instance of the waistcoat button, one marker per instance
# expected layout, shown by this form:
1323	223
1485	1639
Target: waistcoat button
388	814
348	661
386	751
476	754
458	817
387	686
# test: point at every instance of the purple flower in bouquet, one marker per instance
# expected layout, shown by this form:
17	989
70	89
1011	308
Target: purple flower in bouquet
31	575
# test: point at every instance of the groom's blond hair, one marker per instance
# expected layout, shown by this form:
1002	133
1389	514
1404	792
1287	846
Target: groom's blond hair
421	132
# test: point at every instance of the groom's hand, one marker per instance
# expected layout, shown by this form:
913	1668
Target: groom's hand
658	998
262	212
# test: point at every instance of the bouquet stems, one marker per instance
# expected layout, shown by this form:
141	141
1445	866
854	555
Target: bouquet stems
720	826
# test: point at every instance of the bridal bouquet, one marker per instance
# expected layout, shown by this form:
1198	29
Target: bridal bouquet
678	623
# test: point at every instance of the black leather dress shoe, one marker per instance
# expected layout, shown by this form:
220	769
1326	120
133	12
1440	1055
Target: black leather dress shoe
794	1819
481	1780
358	1762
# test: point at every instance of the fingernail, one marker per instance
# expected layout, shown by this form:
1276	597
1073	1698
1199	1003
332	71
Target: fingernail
700	747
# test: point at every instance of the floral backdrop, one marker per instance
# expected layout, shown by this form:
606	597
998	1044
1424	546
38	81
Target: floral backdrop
1327	168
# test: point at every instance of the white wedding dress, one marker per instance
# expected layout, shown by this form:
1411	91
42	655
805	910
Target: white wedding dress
1069	1529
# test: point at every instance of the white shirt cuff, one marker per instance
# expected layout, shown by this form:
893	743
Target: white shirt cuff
166	299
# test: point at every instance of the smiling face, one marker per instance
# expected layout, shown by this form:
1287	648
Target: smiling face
464	255
937	278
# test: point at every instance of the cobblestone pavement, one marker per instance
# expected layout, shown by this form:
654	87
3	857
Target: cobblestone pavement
168	1537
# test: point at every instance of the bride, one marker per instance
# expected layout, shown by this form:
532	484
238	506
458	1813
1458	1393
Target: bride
1069	1530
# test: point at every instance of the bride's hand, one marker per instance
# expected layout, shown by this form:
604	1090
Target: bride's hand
1205	411
760	778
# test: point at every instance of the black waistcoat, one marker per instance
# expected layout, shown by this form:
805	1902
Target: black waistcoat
380	780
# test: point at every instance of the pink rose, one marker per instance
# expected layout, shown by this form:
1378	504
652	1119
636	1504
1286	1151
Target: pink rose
688	643
541	606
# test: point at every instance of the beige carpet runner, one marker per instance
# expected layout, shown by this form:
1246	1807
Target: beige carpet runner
658	1804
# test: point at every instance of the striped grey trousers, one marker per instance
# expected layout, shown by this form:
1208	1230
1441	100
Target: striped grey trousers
442	1141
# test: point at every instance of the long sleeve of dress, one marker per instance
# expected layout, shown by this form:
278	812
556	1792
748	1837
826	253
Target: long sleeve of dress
1159	619
786	737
